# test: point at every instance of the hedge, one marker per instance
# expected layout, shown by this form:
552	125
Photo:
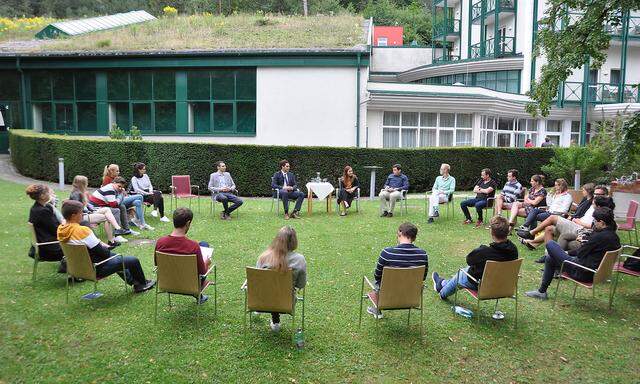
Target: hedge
36	155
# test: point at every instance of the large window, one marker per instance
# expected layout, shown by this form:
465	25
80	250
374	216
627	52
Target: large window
554	131
10	104
426	129
501	131
503	81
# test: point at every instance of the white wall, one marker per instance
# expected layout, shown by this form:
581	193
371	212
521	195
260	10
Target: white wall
393	59
374	128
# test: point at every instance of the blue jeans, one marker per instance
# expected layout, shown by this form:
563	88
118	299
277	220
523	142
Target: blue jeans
132	274
535	215
449	287
135	201
478	203
555	256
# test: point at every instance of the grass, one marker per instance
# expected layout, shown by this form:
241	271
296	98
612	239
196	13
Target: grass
219	32
113	339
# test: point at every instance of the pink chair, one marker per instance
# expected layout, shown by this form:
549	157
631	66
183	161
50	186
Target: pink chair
619	267
181	188
630	223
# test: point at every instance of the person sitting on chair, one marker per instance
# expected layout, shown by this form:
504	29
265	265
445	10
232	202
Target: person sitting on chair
403	255
287	186
45	223
348	189
558	203
141	185
590	254
510	193
536	198
443	188
111	195
281	256
484	189
222	187
110	174
502	249
392	191
177	243
74	233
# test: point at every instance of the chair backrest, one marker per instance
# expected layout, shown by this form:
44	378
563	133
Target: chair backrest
401	288
523	193
178	273
79	262
576	195
605	269
499	279
34	240
182	184
632	211
269	290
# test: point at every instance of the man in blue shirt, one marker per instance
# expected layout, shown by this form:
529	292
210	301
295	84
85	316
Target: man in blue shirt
392	190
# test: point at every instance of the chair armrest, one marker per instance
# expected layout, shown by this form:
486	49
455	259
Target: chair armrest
173	190
578	265
105	260
369	282
244	285
47	243
469	276
213	266
624	247
196	187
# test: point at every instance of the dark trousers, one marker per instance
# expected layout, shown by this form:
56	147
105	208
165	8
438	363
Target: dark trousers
534	216
275	317
124	216
293	195
157	200
478	203
345	196
553	262
132	274
225	198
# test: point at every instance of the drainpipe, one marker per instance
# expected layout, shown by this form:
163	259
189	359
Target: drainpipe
23	94
358	101
584	102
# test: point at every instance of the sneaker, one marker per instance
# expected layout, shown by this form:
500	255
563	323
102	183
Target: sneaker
479	224
112	244
139	288
374	312
147	227
223	216
430	221
436	213
286	216
437	282
390	214
525	234
467	222
120	239
135	223
134	233
203	299
295	215
384	214
165	219
537	295
154	213
122	232
275	327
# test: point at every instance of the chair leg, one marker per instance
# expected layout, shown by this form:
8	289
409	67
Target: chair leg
215	292
155	315
68	277
35	268
421	315
515	326
361	301
169	296
575	288
555	298
303	300
245	312
408	316
613	290
478	312
198	310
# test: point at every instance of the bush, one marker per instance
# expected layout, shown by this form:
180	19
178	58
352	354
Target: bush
591	161
36	155
414	18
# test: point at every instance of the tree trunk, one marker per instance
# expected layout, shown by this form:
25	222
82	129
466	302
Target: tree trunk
305	8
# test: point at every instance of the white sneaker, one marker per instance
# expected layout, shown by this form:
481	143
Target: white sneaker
134	233
165	219
120	239
147	227
275	327
154	213
374	312
135	223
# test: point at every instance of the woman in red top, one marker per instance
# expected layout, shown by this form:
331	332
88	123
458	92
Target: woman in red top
111	171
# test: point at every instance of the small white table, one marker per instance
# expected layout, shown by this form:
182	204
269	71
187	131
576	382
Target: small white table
322	190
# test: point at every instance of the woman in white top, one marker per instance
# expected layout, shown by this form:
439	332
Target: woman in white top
141	185
558	203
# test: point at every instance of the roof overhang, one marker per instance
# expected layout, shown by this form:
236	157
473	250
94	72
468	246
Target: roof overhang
467	66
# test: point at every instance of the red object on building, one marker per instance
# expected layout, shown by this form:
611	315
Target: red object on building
387	36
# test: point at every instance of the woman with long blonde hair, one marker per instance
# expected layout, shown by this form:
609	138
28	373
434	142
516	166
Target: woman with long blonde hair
348	189
110	172
280	256
97	215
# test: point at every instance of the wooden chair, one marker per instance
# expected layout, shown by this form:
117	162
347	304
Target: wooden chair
213	203
620	269
178	275
499	281
630	224
181	187
600	275
356	198
450	204
400	288
80	266
36	247
267	291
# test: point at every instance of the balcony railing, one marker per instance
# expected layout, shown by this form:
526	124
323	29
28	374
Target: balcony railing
489	49
445	59
446	27
634	27
476	9
490	6
601	93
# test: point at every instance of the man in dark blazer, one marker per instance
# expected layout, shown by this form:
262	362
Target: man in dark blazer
287	186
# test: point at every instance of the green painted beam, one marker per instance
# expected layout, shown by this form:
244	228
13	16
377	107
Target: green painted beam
584	103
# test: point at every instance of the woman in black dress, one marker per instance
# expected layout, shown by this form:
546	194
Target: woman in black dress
348	189
45	222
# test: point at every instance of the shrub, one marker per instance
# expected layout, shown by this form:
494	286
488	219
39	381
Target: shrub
116	133
591	161
252	166
135	133
169	11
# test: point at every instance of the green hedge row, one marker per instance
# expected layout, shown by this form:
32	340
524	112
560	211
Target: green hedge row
36	155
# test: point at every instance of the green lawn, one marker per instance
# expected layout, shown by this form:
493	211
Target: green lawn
113	339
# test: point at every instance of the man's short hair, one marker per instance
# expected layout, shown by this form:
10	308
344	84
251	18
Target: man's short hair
181	216
70	208
602	187
499	227
120	180
408	230
486	171
283	162
513	172
397	166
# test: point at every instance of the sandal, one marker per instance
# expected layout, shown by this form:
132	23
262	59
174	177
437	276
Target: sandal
527	244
